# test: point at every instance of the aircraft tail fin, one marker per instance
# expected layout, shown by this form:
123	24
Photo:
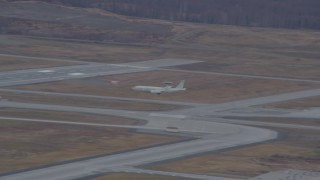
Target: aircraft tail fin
180	85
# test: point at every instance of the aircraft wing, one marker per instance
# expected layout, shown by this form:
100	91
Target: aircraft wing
156	91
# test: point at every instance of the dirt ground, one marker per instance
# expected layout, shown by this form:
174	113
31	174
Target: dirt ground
19	63
76	50
298	149
133	176
305	103
47	20
255	51
67	116
26	145
202	88
86	102
300	121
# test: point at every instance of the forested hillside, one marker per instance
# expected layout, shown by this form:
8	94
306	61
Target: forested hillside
34	18
296	14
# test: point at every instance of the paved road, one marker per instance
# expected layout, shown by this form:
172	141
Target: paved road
247	76
155	120
62	73
210	109
264	124
313	113
289	174
101	97
44	58
163	173
31	76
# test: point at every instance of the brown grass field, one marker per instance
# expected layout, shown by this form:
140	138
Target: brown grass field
86	102
19	63
297	104
299	121
134	176
255	51
299	150
67	116
203	88
26	145
73	50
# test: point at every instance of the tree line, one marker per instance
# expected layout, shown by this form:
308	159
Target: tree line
294	14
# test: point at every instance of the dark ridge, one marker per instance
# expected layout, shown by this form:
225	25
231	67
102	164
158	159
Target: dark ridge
292	14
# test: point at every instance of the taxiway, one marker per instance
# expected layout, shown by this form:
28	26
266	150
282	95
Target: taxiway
205	119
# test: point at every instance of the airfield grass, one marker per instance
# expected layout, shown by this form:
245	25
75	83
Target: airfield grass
67	116
77	50
299	150
201	88
254	51
27	145
8	63
86	102
135	176
295	121
304	103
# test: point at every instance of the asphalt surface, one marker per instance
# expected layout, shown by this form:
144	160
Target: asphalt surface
269	124
44	58
313	113
199	118
62	73
229	106
54	94
31	76
290	174
247	76
163	173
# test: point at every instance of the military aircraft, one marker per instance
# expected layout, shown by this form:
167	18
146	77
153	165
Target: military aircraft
158	90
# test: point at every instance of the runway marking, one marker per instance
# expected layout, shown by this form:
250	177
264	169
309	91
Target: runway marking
76	74
34	80
132	66
167	115
46	71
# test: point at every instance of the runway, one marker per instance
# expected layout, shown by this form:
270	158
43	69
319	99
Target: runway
239	104
163	173
41	75
54	94
269	124
246	76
